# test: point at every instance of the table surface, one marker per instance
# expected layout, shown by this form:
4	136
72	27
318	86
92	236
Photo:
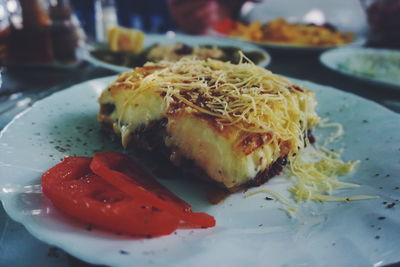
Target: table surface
22	86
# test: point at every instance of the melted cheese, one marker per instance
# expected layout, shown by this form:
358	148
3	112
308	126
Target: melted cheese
253	116
214	153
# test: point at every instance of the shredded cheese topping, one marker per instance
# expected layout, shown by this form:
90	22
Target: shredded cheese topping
254	100
244	96
314	173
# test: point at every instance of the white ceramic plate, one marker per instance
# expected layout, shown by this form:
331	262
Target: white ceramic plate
152	39
367	64
250	231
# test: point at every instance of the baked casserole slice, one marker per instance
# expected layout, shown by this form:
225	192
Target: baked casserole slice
232	123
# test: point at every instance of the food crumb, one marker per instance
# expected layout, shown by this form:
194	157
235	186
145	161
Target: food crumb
123	252
268	198
377	237
391	205
381	218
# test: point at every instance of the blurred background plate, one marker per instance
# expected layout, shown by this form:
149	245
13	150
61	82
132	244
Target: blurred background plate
380	66
359	41
172	38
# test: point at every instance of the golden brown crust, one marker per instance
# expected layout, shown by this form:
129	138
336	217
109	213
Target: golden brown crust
151	140
231	133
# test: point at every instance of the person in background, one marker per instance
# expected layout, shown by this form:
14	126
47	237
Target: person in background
200	16
151	16
384	19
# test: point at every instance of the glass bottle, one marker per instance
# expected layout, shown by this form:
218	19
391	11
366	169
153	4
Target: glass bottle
64	34
29	40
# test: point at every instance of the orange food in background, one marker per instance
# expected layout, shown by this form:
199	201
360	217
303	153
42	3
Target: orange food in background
125	39
280	31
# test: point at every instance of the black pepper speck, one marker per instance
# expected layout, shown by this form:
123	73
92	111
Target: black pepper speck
391	205
381	218
60	149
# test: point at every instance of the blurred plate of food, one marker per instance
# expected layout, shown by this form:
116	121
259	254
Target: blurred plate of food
125	51
281	34
373	65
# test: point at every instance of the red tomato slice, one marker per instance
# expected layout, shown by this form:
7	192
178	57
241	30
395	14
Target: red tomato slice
111	162
75	190
123	173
